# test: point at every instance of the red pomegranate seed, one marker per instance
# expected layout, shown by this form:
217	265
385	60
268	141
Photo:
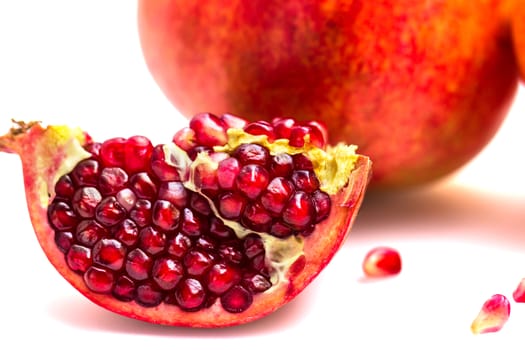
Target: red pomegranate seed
281	165
206	243
253	245
231	253
252	180
137	153
301	162
151	240
305	180
231	205
382	261
261	128
280	230
519	292
61	216
299	211
205	178
64	240
190	294
255	282
148	295
64	187
174	192
236	300
165	215
322	204
200	204
126	198
109	253
179	245
276	195
99	280
141	212
112	180
127	232
197	262
112	152
167	272
318	133
222	277
283	127
209	130
138	264
257	218
110	212
85	201
219	230
185	138
493	315
298	135
86	173
124	288
252	153
89	232
143	186
231	121
227	171
192	224
78	258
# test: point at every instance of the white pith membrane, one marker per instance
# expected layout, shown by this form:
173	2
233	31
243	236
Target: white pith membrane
332	167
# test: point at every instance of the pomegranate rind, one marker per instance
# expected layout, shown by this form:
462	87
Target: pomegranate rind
38	146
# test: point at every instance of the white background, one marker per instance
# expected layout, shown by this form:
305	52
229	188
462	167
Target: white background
461	240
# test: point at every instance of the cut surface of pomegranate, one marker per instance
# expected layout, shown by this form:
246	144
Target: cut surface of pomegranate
221	226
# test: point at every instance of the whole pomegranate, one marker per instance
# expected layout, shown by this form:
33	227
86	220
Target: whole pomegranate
221	226
420	86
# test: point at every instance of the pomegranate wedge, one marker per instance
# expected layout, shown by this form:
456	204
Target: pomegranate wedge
218	227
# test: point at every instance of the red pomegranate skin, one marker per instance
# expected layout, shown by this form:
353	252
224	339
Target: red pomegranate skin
420	86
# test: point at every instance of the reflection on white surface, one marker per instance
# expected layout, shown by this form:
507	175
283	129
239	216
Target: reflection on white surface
461	239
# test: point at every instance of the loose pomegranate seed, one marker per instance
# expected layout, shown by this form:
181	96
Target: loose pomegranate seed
493	315
519	292
127	221
382	261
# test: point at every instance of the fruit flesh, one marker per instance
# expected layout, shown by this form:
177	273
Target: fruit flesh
421	87
60	141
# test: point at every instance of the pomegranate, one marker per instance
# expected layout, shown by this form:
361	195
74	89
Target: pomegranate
221	226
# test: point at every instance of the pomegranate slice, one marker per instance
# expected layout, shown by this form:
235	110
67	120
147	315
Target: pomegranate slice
219	227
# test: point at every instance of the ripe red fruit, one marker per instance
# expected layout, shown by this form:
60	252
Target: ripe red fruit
420	86
493	315
156	233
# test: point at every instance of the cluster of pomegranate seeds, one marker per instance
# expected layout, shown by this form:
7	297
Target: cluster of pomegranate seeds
493	315
381	262
127	223
277	194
